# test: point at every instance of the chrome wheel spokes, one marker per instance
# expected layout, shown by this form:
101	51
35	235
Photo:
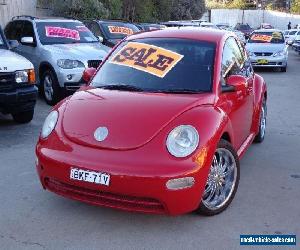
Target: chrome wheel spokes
221	179
48	88
263	120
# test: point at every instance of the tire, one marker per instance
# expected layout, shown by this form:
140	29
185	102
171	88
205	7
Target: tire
23	117
50	88
223	181
283	69
262	123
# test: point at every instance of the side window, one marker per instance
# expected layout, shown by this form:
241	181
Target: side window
232	59
13	30
27	30
94	27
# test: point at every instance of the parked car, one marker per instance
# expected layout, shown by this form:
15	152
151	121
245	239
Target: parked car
223	26
17	83
150	26
266	26
239	34
208	25
296	44
59	49
291	36
110	32
245	28
170	113
267	48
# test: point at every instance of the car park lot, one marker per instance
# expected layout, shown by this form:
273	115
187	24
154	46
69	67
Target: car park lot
267	201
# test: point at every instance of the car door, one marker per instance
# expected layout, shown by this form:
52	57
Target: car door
240	103
28	50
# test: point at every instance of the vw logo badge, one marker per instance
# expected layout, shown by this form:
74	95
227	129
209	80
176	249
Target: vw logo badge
101	133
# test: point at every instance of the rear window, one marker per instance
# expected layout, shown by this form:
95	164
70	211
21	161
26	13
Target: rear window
116	30
160	65
267	37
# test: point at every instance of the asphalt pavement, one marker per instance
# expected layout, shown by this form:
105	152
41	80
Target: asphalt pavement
267	201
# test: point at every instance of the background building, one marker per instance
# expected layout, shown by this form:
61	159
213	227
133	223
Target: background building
10	8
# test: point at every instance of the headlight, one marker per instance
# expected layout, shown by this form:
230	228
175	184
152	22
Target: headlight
49	124
21	76
25	76
280	53
69	64
182	141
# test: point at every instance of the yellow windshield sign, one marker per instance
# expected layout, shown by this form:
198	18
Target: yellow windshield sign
147	58
120	30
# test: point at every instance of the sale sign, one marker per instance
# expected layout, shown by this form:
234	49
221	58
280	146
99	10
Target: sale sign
120	30
62	32
147	58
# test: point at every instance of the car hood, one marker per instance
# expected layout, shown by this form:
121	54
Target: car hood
10	61
79	51
132	118
261	47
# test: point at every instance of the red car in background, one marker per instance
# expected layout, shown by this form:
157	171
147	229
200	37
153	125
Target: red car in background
161	126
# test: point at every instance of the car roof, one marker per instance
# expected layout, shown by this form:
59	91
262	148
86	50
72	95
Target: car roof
55	20
201	34
268	30
112	21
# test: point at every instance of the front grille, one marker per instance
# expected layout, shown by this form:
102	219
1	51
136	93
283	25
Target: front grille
263	53
7	81
94	63
130	203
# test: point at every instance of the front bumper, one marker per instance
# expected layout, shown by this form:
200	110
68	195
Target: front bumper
271	61
70	79
136	183
18	100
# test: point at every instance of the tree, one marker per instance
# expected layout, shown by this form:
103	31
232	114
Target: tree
295	8
80	9
187	9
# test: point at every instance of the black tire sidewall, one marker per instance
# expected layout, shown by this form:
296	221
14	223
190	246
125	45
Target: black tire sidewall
202	209
23	117
57	95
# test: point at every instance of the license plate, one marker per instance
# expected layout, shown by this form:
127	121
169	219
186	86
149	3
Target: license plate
262	61
90	176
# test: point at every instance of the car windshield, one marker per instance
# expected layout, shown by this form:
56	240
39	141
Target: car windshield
166	65
64	33
292	32
118	30
266	37
2	41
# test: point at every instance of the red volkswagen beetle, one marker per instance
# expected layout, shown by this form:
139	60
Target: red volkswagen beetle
161	126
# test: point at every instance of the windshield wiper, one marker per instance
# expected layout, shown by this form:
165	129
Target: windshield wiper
124	87
179	91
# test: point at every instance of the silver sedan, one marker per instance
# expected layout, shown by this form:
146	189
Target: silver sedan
267	48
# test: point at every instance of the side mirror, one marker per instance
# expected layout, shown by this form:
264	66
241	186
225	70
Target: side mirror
100	39
27	41
13	44
88	74
235	83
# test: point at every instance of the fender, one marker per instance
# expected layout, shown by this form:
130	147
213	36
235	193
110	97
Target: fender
41	67
259	92
211	122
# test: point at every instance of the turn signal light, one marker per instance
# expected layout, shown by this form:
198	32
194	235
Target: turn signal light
31	76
